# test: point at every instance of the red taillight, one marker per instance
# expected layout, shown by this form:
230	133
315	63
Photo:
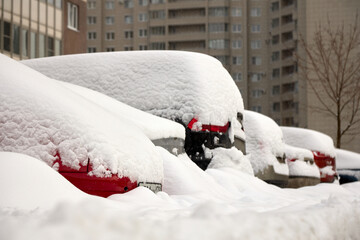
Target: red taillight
210	128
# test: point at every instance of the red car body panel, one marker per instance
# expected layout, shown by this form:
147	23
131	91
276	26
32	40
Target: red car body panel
322	160
99	186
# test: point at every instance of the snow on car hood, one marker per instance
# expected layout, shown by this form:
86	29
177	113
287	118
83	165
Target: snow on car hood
170	84
347	159
309	139
39	117
263	141
154	127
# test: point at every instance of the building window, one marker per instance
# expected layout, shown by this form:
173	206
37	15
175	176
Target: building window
157	46
91	49
128	19
32	45
91	4
158	14
91	20
256	60
275	39
276	90
289	121
276	107
237	76
257	93
25	41
156	1
275	23
219	44
236	44
275	56
223	59
91	35
143	47
57	47
109	5
218	27
41	45
50	46
275	6
237	60
143	2
7	36
236	12
16	39
143	17
142	32
218	12
128	48
129	34
275	73
236	28
109	20
255	28
256	77
110	49
157	31
73	16
110	36
128	3
256	109
255	12
255	44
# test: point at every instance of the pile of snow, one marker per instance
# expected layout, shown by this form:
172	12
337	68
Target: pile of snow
39	117
309	139
154	127
206	205
264	142
170	84
300	167
347	159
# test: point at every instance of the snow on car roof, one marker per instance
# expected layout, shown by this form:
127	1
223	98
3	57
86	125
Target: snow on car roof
39	117
153	126
297	153
309	139
347	159
171	84
263	140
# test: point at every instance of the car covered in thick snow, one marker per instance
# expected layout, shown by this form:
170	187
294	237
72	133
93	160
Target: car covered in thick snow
321	145
266	149
302	168
98	152
347	165
190	88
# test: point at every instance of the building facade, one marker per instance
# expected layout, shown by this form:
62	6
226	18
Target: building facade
40	28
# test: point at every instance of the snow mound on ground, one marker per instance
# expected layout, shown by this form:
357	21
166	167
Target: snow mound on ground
309	139
263	142
230	158
27	183
347	159
170	84
154	127
40	118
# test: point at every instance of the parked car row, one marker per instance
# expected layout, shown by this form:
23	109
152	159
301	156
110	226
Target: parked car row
98	123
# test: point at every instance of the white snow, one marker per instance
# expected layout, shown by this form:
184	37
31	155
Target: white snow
299	167
347	160
309	139
170	84
154	127
216	204
39	117
263	142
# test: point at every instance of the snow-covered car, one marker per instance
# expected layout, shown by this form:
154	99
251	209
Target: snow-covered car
321	145
302	168
98	152
190	88
266	149
162	132
347	165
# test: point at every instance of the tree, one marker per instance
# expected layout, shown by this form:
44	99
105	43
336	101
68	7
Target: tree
330	65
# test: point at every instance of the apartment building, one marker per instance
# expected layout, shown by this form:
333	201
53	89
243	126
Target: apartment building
40	28
254	39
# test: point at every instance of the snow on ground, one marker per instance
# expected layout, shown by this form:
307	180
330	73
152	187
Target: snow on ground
216	204
170	84
264	142
39	117
309	139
